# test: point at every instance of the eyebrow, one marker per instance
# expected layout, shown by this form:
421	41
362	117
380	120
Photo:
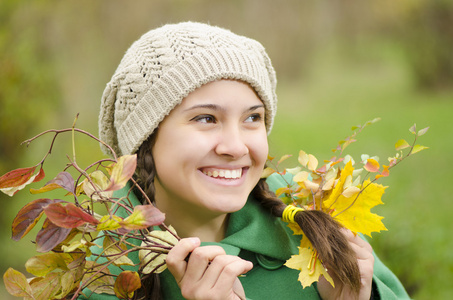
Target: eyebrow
219	108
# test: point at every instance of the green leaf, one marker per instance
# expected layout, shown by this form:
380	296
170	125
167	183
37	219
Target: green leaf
418	148
401	144
41	265
109	222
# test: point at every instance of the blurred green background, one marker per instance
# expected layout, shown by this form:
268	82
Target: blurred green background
339	63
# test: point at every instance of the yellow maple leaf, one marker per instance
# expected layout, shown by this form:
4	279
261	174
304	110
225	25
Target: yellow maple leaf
354	212
309	265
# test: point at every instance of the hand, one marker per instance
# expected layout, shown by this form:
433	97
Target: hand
365	260
209	273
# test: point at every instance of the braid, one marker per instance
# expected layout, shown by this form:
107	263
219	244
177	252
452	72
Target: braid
324	234
146	171
144	176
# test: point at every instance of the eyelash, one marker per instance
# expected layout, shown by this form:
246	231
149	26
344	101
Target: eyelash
204	118
257	117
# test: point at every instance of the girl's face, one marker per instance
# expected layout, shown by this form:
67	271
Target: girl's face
211	149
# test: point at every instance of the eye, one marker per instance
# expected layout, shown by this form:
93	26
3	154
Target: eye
253	118
207	119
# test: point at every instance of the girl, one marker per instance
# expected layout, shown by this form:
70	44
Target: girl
196	102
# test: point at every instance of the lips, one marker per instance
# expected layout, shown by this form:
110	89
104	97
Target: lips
223	173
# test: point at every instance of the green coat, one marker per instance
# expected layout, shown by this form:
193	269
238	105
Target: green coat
265	240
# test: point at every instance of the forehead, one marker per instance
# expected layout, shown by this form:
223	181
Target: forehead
223	92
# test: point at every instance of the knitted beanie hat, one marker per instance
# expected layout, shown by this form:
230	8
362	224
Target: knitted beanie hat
164	66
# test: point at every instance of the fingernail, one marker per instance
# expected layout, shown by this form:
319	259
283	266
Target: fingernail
194	240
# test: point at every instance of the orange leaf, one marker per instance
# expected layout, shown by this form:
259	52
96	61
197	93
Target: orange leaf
122	171
385	172
371	165
15	180
126	283
16	177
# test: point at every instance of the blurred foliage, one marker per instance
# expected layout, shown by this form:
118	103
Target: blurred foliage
336	60
27	77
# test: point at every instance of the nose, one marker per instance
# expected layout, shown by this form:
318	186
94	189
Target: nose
231	143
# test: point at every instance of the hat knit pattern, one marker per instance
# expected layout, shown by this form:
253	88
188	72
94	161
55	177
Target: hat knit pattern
162	67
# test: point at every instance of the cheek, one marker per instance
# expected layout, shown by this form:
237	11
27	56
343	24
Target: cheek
259	148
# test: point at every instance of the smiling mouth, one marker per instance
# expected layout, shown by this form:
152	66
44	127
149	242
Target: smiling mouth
223	173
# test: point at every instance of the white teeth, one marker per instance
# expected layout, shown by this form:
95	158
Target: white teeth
229	174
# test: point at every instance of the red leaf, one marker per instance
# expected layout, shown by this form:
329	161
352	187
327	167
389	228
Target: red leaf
27	217
40	175
50	236
126	283
16	177
68	216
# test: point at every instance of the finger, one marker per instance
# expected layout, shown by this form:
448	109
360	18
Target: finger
356	240
224	269
199	261
228	281
176	262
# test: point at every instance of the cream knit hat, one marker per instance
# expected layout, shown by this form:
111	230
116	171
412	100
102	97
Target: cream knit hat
164	66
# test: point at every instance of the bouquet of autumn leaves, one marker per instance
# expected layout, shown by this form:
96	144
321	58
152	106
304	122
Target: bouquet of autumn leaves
72	229
337	188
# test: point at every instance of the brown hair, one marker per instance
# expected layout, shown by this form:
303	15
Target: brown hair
319	227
